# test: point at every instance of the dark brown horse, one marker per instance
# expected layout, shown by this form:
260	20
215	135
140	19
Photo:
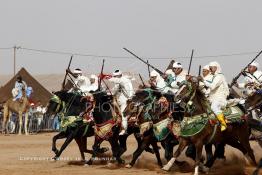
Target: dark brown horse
195	104
151	110
253	105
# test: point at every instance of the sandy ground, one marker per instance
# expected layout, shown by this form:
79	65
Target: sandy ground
31	155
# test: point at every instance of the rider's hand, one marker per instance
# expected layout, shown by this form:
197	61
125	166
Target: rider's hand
200	78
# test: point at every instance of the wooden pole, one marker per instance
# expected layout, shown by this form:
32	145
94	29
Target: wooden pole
15	60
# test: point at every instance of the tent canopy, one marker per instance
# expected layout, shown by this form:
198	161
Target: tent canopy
40	94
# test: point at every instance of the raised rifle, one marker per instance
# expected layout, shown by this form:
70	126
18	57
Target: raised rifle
142	80
148	68
156	69
238	75
101	75
191	58
64	81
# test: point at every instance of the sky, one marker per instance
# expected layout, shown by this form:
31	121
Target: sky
150	28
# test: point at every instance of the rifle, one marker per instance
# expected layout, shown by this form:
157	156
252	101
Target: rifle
142	80
238	75
148	68
191	58
63	84
199	70
101	74
156	69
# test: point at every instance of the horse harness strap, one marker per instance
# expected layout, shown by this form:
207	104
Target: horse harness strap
213	134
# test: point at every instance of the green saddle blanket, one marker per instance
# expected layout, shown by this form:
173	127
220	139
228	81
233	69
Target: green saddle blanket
161	130
191	126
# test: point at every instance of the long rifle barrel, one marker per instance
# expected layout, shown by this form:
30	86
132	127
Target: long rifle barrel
191	58
156	69
69	64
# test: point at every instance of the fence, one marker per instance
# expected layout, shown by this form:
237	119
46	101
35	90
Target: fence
36	123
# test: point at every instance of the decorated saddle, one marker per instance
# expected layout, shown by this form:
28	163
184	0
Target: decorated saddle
191	126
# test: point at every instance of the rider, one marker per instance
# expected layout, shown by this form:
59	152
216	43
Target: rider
93	83
20	86
180	75
206	76
81	82
123	90
252	79
157	82
218	92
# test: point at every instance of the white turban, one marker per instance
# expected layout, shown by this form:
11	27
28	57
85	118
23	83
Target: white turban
93	76
177	65
77	71
254	63
117	72
154	73
206	67
215	64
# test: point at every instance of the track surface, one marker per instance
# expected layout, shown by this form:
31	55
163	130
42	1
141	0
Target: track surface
31	155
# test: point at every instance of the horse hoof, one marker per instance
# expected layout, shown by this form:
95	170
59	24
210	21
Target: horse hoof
110	165
128	166
86	165
205	169
166	168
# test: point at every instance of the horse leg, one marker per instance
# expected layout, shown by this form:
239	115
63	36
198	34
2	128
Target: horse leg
81	146
244	141
68	140
122	142
25	125
199	148
95	147
60	135
155	147
209	155
145	143
116	149
169	144
182	145
139	142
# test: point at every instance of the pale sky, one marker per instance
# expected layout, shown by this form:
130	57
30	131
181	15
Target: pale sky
150	28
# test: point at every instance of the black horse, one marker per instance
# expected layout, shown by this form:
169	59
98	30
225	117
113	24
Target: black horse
106	126
71	104
146	108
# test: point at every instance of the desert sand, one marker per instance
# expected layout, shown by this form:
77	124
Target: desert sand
30	155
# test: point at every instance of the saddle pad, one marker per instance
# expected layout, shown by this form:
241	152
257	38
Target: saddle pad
161	129
192	126
145	127
69	121
104	131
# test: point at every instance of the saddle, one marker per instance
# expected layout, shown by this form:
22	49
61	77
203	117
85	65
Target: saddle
191	126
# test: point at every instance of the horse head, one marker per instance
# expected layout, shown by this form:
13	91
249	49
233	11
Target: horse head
254	100
190	97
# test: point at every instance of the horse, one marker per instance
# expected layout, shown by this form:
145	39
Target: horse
20	107
75	105
198	115
107	126
149	112
253	104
